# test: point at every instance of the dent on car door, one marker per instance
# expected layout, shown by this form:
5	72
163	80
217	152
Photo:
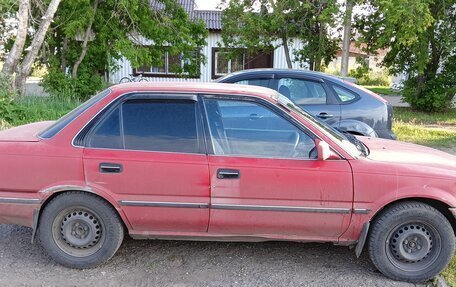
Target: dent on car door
312	95
147	154
266	180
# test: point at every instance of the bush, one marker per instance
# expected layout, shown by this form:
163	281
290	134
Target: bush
9	110
379	78
62	86
436	96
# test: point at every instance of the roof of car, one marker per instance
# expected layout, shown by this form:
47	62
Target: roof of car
186	87
266	71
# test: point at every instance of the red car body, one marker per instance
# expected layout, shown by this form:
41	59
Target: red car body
179	195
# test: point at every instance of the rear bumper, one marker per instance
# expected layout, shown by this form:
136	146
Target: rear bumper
15	210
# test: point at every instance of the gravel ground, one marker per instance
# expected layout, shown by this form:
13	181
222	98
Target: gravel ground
185	263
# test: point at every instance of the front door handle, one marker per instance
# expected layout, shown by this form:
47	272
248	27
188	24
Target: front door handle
324	115
107	167
228	173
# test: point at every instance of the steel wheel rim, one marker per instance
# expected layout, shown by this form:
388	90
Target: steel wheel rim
78	231
413	246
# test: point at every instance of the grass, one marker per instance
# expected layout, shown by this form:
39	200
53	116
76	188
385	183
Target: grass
407	115
433	137
36	109
382	90
450	273
435	130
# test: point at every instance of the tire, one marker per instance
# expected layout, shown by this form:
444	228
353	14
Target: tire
80	230
124	80
411	241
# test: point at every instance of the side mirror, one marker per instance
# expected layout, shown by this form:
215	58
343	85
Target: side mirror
324	152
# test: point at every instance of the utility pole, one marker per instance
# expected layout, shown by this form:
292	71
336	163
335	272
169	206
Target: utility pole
347	36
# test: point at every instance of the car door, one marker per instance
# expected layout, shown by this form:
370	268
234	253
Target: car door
146	151
311	94
266	180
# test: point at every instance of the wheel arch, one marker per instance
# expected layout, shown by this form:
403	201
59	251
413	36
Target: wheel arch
356	127
58	191
441	206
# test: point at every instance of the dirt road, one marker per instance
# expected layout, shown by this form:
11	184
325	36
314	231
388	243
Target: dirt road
184	263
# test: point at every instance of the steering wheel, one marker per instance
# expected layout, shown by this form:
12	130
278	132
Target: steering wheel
296	138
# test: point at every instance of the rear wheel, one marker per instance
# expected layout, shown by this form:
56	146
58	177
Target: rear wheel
124	80
80	230
411	241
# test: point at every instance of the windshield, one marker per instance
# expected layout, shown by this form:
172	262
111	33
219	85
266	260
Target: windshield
349	142
68	118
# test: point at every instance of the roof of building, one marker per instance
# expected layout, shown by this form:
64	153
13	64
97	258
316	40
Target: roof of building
212	18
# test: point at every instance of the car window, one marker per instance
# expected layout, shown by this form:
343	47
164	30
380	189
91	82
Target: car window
254	82
301	92
250	129
153	125
107	133
344	94
68	118
160	125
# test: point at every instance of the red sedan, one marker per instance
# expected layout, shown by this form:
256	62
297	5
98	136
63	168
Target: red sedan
223	162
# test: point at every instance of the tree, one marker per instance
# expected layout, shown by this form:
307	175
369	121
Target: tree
16	51
259	25
347	37
420	36
86	41
13	64
25	67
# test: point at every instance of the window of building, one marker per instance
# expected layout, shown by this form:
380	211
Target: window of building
172	66
224	63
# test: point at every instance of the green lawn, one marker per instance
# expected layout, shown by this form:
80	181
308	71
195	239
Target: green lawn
382	90
435	130
409	116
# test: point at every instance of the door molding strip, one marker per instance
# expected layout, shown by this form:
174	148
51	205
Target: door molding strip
236	206
163	204
281	208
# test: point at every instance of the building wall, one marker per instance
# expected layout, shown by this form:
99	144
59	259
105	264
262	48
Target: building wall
212	42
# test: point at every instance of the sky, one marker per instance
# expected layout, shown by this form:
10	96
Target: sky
207	4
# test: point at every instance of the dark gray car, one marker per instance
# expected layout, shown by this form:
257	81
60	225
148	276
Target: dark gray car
342	104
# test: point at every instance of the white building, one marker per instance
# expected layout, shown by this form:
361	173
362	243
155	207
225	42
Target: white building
215	65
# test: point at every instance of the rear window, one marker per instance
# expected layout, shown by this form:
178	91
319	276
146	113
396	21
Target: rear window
68	118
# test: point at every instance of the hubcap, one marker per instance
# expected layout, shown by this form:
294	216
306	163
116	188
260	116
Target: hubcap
411	243
413	246
78	232
80	229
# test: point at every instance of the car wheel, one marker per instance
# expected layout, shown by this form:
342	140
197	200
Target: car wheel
80	230
411	241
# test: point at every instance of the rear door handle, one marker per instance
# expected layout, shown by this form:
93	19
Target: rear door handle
107	167
324	115
228	173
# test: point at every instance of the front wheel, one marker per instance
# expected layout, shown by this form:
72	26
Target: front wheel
411	241
80	230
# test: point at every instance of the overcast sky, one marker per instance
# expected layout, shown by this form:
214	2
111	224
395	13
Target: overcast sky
207	4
